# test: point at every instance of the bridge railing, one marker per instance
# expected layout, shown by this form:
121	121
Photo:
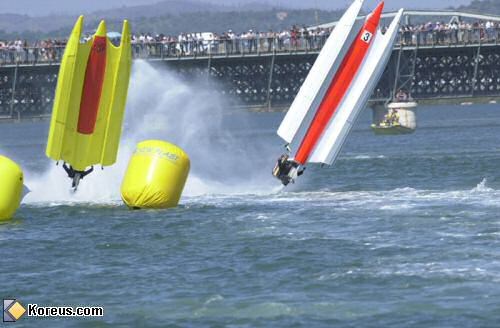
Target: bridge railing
31	55
253	46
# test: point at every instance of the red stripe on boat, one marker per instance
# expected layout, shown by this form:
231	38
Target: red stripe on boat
92	87
340	85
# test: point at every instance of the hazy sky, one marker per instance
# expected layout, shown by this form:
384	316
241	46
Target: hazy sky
43	7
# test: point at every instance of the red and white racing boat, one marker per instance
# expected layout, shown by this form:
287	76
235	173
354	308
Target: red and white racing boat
335	91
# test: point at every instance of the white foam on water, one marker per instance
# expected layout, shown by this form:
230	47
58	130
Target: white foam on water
397	200
190	115
362	157
482	187
445	269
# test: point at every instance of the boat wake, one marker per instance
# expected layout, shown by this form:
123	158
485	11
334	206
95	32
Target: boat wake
397	200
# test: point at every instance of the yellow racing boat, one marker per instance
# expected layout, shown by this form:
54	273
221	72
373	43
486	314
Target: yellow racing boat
90	100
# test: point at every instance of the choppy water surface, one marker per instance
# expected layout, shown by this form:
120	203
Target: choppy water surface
403	232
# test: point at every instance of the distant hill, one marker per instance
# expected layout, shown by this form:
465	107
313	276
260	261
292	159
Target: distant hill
168	17
483	7
168	7
172	17
14	23
238	21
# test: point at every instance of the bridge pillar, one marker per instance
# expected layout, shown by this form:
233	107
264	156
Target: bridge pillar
395	118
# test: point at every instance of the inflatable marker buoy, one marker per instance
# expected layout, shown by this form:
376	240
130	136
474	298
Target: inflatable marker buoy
155	176
11	187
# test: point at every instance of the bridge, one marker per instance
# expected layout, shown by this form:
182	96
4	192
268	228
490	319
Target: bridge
449	63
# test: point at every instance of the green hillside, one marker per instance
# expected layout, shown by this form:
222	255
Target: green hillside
172	17
144	21
485	6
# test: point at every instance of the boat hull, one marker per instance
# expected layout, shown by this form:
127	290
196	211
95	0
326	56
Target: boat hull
392	130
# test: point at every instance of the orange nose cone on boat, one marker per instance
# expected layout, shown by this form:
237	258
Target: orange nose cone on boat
374	18
93	83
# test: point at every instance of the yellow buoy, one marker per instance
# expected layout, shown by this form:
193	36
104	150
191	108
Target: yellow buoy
11	187
156	175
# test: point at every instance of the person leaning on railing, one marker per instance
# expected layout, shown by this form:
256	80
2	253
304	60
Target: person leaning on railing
145	45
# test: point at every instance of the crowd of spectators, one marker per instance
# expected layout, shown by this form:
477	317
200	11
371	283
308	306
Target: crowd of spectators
230	42
20	51
455	32
303	39
297	38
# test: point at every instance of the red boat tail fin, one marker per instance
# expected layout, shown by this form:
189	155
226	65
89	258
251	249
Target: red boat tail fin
93	83
374	18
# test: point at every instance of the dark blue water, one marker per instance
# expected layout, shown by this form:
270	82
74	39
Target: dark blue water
404	231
